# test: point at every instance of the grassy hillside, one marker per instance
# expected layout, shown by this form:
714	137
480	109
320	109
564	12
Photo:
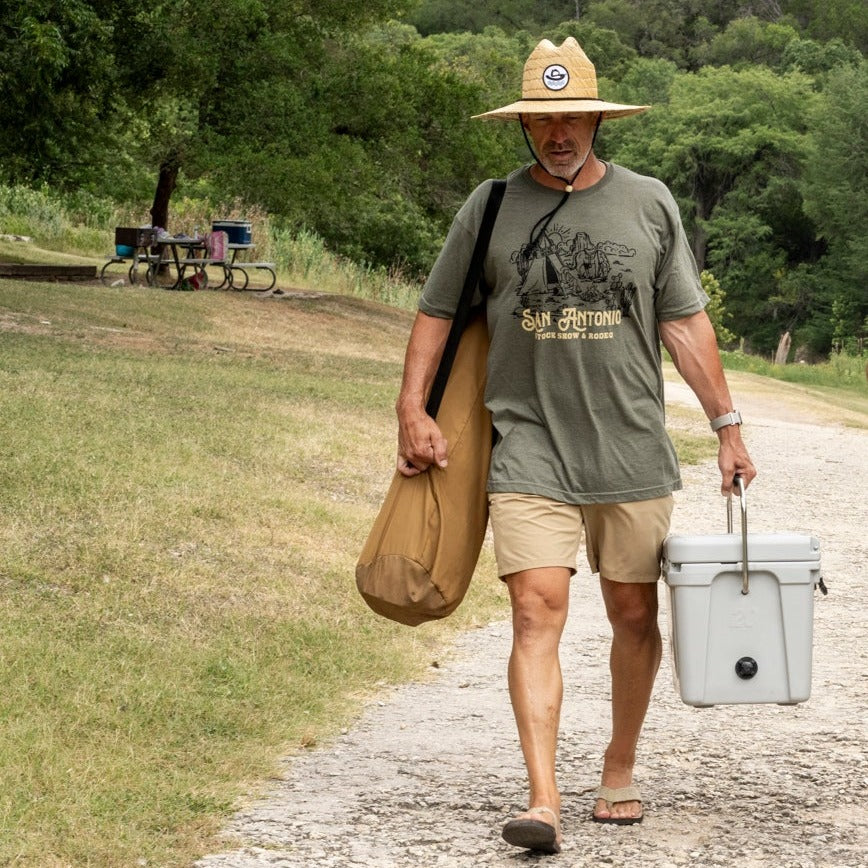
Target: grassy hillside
186	480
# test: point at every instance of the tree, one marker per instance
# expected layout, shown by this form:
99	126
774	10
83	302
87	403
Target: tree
670	29
80	75
375	157
610	55
825	19
491	61
835	187
749	42
57	77
646	81
815	58
455	16
730	144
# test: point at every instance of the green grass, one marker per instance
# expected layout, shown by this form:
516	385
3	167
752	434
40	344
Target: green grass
836	390
841	371
185	483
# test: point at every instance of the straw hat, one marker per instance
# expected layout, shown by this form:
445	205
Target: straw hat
560	79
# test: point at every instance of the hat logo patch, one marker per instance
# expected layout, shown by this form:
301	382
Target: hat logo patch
556	77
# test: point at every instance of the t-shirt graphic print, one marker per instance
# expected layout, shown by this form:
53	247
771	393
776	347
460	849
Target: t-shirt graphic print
569	281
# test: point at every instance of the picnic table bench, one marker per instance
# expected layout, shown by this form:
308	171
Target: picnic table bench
240	269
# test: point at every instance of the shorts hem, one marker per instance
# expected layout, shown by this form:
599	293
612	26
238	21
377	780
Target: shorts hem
631	580
537	566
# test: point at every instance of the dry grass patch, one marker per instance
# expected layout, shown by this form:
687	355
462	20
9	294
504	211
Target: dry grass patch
180	530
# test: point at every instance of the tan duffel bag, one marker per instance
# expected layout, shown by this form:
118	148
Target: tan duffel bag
420	555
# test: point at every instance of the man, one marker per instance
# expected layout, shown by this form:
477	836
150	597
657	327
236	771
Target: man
588	269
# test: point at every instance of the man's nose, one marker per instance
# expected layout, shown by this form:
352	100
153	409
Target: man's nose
559	131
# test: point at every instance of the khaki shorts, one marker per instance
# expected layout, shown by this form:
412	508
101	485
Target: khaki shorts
624	541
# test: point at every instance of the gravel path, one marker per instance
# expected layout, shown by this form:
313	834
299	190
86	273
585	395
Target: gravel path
431	771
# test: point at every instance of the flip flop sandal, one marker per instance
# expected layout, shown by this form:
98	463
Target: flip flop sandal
534	834
619	794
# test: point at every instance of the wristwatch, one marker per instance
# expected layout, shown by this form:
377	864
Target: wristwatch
733	418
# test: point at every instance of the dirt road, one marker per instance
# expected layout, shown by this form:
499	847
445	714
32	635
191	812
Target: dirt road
431	771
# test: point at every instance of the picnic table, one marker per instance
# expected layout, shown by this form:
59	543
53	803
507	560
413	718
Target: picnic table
182	262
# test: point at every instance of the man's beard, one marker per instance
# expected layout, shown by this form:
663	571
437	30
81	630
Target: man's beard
568	169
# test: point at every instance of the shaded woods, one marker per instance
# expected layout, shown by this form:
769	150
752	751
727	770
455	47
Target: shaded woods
351	121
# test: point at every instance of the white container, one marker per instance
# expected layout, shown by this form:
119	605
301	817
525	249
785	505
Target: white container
732	647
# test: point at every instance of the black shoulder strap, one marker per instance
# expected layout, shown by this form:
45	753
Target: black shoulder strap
462	312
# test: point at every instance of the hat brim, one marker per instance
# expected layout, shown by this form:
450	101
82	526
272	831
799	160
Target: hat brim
559	106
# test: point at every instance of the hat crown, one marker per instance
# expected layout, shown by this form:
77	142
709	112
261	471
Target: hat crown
559	72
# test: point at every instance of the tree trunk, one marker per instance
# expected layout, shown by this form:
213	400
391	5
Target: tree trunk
704	204
783	349
166	183
699	240
700	247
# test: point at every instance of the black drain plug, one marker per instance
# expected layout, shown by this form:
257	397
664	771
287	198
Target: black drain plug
746	668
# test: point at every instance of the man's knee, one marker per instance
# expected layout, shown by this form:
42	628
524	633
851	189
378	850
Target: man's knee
631	608
539	602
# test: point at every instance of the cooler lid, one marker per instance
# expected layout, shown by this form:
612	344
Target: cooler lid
726	548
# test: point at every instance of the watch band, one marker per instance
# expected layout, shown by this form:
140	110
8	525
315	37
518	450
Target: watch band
733	418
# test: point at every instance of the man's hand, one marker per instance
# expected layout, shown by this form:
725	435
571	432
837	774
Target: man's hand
733	459
420	443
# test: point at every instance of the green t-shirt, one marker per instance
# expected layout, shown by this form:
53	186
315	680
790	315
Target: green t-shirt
574	381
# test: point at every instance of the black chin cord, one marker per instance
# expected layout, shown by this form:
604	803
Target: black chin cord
547	218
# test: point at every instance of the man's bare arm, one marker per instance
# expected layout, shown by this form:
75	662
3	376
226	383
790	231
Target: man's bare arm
420	442
693	347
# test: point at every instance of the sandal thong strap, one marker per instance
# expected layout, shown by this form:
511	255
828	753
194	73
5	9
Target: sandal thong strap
619	794
542	809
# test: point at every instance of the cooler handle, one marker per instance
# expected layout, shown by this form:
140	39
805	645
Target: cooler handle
745	580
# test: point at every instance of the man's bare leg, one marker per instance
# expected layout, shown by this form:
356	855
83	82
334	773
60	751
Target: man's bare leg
634	661
540	600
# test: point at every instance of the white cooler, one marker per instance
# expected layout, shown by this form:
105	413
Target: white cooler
742	635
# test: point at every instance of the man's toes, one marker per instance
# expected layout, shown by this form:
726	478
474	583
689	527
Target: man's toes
625	810
602	810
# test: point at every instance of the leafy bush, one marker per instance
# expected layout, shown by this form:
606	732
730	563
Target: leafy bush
715	307
70	221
